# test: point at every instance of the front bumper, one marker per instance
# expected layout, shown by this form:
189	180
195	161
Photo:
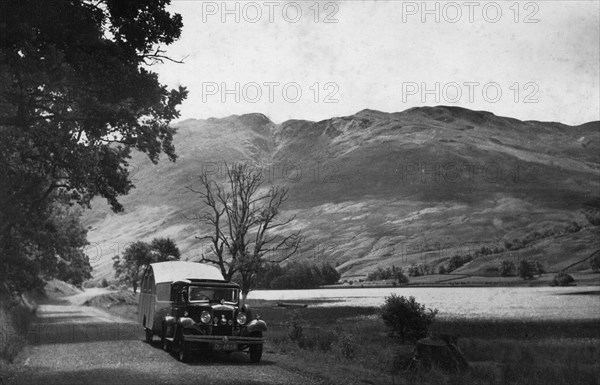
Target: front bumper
223	339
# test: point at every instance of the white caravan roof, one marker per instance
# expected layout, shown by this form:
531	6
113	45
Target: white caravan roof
180	270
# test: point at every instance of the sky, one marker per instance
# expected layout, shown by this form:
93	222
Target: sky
531	60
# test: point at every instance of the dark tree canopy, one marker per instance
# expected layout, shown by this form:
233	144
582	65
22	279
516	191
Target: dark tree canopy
166	249
77	95
406	318
131	265
296	275
139	255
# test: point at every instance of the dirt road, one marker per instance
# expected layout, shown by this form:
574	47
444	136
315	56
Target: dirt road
75	344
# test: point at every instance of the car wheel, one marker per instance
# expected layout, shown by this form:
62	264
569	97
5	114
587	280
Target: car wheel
256	353
149	336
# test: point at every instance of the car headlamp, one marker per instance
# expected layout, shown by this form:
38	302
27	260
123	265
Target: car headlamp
241	318
205	317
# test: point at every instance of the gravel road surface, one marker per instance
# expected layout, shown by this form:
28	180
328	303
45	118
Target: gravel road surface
75	344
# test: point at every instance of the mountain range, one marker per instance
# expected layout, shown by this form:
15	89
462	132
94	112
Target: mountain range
376	189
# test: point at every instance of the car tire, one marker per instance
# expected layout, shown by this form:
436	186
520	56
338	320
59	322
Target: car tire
256	353
149	336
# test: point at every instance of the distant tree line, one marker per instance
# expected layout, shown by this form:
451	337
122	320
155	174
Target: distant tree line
519	243
417	270
391	272
296	275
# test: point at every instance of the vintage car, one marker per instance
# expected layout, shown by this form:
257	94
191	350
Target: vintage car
193	309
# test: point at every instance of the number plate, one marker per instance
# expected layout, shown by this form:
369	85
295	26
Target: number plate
225	346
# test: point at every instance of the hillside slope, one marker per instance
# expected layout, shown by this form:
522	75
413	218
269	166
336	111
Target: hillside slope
376	189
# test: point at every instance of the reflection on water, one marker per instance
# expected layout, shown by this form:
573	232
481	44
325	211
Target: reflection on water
582	302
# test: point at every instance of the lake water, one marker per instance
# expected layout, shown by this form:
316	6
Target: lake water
551	303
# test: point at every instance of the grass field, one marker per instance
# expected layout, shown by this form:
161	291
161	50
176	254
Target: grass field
350	345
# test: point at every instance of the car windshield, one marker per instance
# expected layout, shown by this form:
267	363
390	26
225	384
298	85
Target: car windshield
212	294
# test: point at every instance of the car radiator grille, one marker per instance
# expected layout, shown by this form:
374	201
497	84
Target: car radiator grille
222	330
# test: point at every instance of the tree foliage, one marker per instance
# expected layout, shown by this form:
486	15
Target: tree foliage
507	269
51	247
296	275
136	257
525	270
528	269
562	279
417	270
165	249
77	95
130	266
406	318
391	272
458	261
241	216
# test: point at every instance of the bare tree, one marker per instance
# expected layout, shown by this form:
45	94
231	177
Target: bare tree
241	218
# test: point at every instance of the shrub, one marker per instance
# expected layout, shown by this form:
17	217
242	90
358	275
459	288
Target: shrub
458	261
15	319
491	271
562	279
325	340
525	270
401	278
442	270
104	282
313	338
296	332
573	227
507	269
406	318
538	268
346	344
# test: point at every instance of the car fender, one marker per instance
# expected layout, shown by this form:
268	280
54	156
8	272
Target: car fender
186	322
169	325
256	325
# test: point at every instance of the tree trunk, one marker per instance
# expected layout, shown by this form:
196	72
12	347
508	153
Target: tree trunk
244	298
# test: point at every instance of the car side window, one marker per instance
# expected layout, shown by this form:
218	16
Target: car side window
163	292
